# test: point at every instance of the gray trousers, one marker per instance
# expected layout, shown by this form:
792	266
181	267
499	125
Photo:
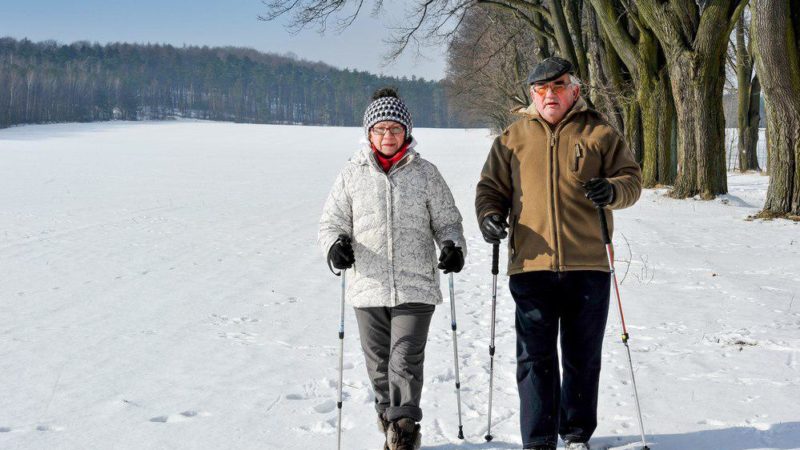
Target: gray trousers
393	340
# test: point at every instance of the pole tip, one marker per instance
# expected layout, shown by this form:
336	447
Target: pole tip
460	432
488	437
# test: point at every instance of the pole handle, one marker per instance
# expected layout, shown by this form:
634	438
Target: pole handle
603	225
495	257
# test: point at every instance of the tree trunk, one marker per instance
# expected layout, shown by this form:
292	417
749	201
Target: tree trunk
605	94
686	181
694	39
666	132
541	48
653	96
748	157
753	124
651	134
697	90
563	38
777	42
633	130
650	99
710	134
572	16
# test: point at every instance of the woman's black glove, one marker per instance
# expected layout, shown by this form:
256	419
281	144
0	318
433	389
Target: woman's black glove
599	191
493	228
452	258
340	255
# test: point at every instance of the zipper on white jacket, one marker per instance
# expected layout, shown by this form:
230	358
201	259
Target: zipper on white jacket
390	217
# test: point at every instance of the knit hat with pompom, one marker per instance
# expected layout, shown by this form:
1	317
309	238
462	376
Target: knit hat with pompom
386	105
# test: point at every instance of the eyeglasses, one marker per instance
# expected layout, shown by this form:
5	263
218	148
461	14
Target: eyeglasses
556	87
393	130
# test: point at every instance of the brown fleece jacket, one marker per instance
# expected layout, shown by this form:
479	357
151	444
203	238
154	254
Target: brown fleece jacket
533	176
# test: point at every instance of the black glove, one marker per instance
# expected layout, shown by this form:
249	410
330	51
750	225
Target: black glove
452	258
493	228
599	191
340	255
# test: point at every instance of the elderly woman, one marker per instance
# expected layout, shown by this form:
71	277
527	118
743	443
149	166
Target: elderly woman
387	208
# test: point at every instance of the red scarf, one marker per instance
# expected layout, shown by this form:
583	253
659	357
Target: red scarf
387	162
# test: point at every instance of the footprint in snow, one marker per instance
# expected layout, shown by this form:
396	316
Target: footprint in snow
325	407
712	422
180	417
242	337
327	426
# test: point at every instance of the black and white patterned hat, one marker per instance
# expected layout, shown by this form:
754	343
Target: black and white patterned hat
387	105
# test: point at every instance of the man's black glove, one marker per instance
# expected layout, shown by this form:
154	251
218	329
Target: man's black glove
452	258
340	255
493	228
599	191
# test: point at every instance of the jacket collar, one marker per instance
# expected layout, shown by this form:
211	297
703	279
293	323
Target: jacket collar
365	157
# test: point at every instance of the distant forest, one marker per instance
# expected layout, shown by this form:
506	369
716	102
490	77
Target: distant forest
46	82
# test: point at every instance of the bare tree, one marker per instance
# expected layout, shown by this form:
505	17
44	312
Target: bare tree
671	52
776	37
488	60
609	90
649	120
541	28
694	38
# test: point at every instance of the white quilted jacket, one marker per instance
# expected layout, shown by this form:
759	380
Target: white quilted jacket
393	220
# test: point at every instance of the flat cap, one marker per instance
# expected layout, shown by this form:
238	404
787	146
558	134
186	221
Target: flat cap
549	69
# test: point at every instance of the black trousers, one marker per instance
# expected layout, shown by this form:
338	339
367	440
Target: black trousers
574	306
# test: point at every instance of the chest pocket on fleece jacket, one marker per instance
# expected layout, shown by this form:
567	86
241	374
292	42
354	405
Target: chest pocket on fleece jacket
584	161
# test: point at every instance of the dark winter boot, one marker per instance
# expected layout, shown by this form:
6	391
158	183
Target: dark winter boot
403	434
383	427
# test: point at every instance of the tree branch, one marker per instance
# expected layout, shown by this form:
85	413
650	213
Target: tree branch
534	25
664	26
617	34
717	14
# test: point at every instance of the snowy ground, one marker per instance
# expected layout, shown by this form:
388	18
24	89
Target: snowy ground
161	289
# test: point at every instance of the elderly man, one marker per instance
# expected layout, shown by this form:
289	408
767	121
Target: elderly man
547	173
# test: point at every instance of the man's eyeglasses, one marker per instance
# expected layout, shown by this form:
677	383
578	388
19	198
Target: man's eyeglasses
555	87
393	130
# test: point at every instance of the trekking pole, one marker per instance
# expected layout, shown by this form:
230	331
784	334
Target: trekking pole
610	254
495	257
341	363
455	353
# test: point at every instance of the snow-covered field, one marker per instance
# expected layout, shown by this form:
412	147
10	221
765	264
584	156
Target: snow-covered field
160	288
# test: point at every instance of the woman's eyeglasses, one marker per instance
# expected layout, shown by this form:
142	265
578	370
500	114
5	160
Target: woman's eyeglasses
393	130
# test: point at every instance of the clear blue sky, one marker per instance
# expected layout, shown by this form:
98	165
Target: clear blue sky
213	23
